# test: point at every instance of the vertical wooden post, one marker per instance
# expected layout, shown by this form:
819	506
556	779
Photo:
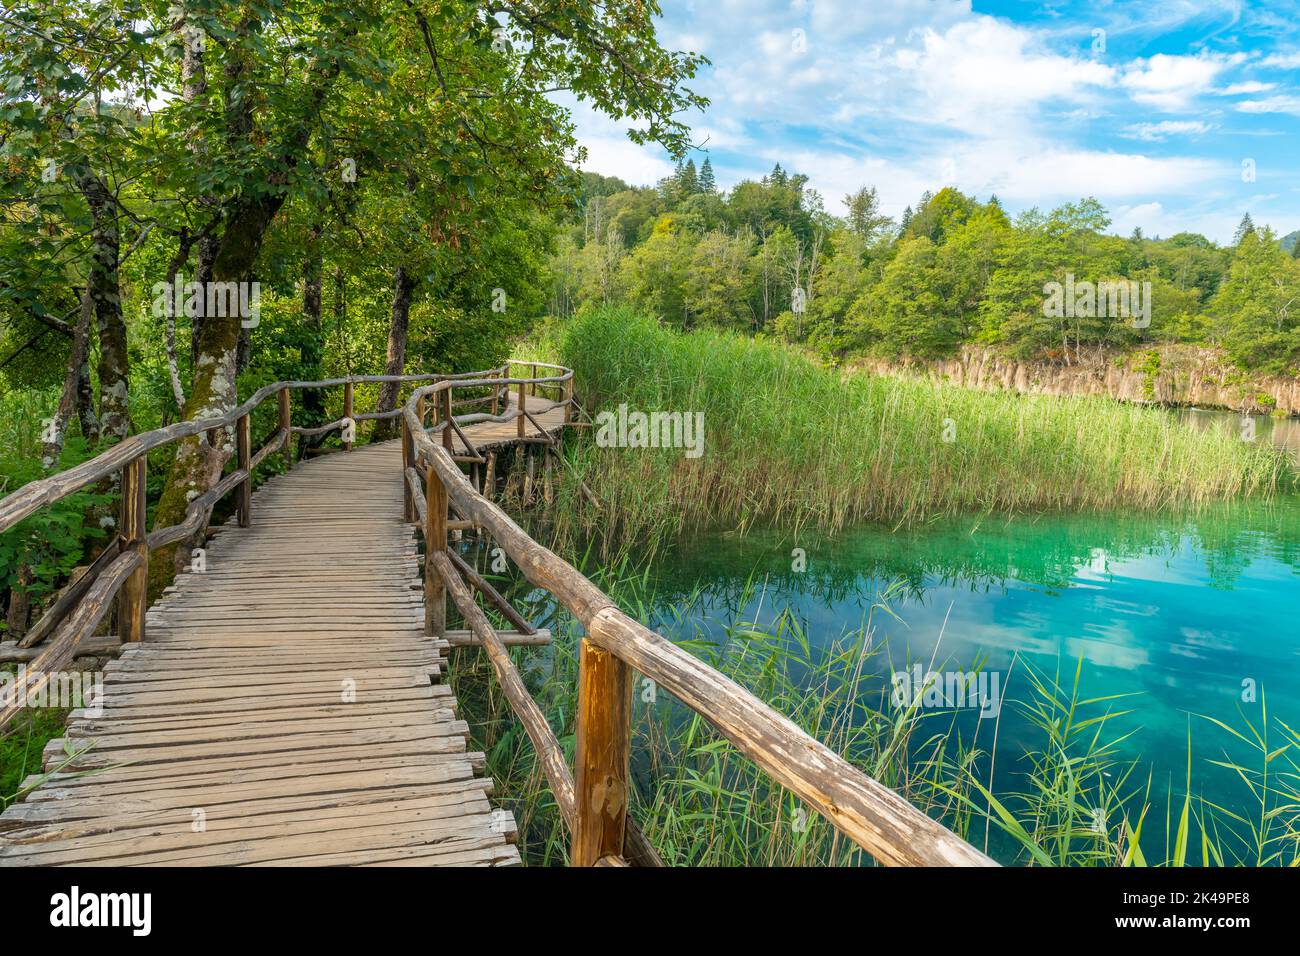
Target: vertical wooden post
522	405
444	413
533	388
408	503
347	412
420	410
435	539
568	400
132	600
601	759
286	426
496	389
243	457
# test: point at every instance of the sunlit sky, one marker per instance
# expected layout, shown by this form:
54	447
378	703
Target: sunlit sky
1155	116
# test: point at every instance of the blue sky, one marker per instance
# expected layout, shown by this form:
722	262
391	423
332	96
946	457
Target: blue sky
1159	108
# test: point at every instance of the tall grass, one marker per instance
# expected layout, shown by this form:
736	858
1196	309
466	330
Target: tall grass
1066	799
793	444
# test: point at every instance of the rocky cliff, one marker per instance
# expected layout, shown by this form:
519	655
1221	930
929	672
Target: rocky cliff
1168	374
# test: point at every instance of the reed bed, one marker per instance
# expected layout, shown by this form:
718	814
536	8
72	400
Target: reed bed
790	443
1067	799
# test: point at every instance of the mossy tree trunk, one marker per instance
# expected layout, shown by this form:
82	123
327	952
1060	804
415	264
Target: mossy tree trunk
404	284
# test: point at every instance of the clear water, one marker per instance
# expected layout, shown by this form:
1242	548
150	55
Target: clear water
1187	614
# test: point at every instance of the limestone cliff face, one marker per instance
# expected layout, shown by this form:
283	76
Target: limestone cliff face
1168	374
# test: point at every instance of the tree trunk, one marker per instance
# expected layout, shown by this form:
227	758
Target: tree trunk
198	465
114	408
403	286
78	359
313	401
20	605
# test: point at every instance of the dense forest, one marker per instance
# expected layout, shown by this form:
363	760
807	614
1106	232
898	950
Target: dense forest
202	197
767	257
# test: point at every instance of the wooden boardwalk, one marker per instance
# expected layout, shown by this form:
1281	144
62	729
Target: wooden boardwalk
284	709
490	435
282	704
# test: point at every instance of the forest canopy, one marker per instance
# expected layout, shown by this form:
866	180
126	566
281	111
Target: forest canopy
766	256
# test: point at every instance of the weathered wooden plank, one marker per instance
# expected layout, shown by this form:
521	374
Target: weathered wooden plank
284	691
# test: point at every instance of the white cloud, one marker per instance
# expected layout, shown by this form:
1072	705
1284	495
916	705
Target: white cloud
985	72
1250	86
910	95
1272	104
1157	132
1282	61
1170	82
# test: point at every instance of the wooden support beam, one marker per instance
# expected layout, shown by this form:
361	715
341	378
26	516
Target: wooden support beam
435	542
408	503
463	638
601	757
444	416
133	600
110	645
521	421
491	593
286	430
243	452
70	597
347	412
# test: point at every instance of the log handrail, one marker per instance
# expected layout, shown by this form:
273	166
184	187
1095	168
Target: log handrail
120	571
35	495
873	816
593	799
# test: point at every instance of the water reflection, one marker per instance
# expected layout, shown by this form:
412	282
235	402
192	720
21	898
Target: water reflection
1184	612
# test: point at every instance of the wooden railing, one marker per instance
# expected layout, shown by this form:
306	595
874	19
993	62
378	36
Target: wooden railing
593	799
120	573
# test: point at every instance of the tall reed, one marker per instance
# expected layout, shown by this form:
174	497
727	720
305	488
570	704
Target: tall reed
789	443
1065	798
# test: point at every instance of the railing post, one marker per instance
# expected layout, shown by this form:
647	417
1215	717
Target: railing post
522	405
444	412
408	503
132	600
496	390
243	458
435	539
286	426
568	400
601	759
347	412
533	387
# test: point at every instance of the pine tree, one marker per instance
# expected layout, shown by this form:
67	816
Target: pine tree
1246	228
707	182
690	179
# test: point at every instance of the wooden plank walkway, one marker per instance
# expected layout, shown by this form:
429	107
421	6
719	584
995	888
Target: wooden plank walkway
492	435
283	708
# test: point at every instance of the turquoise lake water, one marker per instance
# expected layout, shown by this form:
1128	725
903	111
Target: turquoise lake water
1188	614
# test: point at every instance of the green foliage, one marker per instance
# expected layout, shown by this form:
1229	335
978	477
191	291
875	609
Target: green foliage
833	450
39	551
956	271
1255	305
